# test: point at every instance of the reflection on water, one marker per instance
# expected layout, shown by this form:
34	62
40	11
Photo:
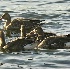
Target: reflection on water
56	14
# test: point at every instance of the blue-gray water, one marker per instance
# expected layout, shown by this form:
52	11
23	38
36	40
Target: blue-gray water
56	14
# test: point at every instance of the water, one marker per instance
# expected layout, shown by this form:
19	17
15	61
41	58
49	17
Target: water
43	59
56	14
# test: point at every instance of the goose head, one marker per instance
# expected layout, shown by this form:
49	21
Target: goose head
6	17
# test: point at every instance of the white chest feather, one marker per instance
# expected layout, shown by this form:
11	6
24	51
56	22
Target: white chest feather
30	46
67	44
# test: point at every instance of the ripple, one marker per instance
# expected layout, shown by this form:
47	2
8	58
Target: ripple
60	2
62	61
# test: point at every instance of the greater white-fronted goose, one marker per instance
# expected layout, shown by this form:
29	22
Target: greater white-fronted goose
14	25
20	44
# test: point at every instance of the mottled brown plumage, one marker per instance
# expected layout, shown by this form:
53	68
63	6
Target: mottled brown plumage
15	24
19	44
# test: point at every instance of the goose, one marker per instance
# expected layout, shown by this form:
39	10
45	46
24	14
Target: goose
39	34
20	44
50	40
15	24
55	42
